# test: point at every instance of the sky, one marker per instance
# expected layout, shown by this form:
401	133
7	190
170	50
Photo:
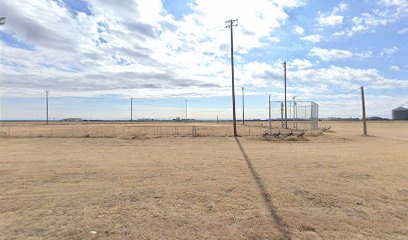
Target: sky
94	55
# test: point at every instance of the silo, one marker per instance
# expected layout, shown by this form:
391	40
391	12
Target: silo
400	113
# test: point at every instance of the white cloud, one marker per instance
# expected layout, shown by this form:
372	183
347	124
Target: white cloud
395	68
270	75
389	51
338	54
312	38
362	55
330	54
341	7
301	63
333	18
131	47
299	30
403	31
330	20
389	11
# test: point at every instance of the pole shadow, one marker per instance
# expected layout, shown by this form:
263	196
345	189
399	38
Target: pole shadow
278	221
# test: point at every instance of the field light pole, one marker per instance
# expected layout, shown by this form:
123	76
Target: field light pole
286	110
231	24
364	110
46	104
2	22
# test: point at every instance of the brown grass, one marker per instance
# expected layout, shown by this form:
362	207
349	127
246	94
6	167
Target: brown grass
207	188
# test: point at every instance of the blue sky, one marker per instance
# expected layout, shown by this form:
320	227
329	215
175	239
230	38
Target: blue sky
94	55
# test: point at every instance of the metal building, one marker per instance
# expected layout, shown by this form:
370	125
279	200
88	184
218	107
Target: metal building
400	113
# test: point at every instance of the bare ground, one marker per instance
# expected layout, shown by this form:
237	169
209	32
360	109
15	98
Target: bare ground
337	186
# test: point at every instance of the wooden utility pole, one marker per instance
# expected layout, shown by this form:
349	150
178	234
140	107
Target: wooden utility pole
131	110
243	106
270	123
286	111
46	104
364	111
231	24
186	111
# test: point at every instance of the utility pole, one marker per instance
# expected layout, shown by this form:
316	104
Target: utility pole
364	111
270	124
282	124
231	24
294	112
2	22
131	110
186	111
46	103
286	111
243	106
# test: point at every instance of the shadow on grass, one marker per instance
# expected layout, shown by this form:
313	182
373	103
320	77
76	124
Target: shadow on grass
280	225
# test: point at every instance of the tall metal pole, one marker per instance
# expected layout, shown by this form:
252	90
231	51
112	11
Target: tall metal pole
270	124
46	103
231	24
2	22
131	110
243	106
186	111
364	111
282	124
286	111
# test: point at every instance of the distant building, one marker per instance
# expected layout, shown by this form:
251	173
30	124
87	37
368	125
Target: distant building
72	119
400	113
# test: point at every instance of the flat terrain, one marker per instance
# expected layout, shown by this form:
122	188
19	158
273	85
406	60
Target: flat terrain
337	186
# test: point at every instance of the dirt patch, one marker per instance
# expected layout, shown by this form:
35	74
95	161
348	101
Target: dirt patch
204	188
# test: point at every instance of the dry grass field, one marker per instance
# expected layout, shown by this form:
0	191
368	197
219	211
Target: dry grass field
340	185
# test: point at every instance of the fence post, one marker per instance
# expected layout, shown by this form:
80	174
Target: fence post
72	131
30	130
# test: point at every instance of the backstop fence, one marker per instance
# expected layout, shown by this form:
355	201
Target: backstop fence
299	115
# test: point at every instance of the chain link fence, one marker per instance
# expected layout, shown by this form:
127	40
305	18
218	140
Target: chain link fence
128	130
299	115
